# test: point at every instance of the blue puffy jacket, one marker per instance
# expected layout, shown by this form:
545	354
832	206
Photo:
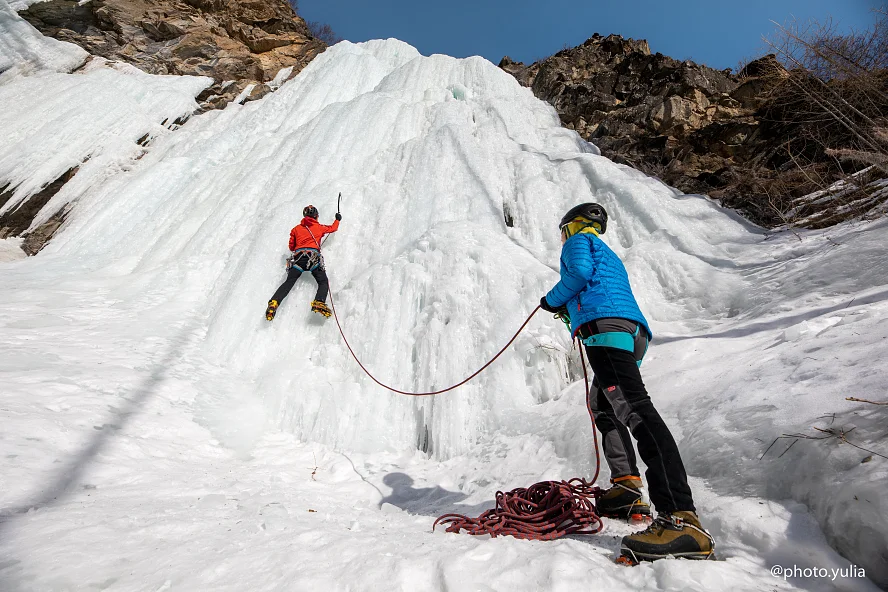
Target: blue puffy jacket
594	284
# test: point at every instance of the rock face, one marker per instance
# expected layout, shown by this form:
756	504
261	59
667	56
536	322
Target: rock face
698	129
236	42
249	48
14	223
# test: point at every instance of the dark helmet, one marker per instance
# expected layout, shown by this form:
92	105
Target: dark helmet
310	212
592	212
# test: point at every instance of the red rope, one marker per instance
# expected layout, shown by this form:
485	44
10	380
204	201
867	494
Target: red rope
429	393
591	414
438	392
544	511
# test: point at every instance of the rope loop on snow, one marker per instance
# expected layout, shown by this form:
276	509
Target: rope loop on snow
544	511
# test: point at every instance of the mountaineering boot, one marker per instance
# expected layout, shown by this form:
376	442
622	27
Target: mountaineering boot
320	308
272	308
623	500
678	534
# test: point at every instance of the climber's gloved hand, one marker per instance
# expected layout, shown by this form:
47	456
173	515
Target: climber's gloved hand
544	304
338	216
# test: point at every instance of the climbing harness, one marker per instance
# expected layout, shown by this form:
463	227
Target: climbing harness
617	339
310	258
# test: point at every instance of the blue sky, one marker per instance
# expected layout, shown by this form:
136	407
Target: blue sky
715	32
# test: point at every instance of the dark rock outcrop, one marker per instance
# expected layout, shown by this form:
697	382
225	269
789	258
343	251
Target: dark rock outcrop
15	221
237	43
698	129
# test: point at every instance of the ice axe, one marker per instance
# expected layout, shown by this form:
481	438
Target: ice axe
338	201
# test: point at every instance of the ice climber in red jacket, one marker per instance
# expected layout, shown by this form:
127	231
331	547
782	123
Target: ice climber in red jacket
305	244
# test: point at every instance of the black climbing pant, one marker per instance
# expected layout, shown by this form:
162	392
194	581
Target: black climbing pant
620	404
300	263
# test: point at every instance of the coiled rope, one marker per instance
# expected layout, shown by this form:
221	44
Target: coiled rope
544	511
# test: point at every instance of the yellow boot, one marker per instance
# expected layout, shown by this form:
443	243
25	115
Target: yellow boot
271	310
678	534
623	500
321	308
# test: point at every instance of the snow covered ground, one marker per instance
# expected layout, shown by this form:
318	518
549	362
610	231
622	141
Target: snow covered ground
159	434
11	249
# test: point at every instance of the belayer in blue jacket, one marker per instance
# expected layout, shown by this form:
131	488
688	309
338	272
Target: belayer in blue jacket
594	292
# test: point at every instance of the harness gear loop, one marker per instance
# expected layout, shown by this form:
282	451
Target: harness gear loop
313	259
564	318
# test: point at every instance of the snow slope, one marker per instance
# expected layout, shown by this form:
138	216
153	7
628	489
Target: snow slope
24	50
55	121
164	436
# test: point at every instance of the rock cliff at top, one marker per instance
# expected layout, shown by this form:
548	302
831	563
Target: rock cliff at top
699	129
236	43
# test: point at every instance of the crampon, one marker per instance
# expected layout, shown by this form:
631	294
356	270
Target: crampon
321	308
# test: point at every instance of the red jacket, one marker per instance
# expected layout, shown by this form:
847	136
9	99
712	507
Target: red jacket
301	238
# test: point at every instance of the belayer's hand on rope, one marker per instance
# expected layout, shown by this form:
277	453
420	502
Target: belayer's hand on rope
560	311
544	304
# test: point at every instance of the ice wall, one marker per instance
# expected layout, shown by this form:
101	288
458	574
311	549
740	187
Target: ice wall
453	178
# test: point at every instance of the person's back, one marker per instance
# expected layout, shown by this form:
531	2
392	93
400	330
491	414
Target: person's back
596	284
308	233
